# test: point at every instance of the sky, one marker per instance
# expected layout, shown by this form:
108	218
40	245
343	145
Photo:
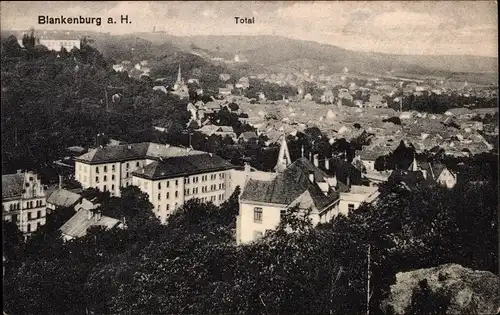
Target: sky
419	27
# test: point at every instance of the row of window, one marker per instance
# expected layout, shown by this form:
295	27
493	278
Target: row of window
29	205
257	214
167	207
167	184
16	219
105	178
168	195
105	188
105	167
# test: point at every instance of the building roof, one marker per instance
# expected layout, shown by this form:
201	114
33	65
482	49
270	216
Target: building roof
371	154
433	169
183	166
247	135
12	185
290	187
63	198
409	179
79	223
133	151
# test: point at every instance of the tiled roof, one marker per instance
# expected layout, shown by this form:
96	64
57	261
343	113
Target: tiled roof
182	166
288	186
132	151
63	198
78	225
12	185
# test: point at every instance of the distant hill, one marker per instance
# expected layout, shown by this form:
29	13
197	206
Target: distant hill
274	51
281	54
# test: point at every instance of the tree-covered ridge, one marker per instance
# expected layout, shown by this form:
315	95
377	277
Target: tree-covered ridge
54	100
192	265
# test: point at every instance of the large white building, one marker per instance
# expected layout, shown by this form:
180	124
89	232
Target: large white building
57	44
172	181
23	201
169	175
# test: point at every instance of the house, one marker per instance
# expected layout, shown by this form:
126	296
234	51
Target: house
24	200
247	135
171	181
327	97
264	202
223	131
160	88
408	179
62	198
368	156
84	219
438	173
225	91
355	196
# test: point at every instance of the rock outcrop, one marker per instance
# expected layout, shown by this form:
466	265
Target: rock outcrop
467	291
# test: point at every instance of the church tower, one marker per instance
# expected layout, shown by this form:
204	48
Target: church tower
179	83
284	159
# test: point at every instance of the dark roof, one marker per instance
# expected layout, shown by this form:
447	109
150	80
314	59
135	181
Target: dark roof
433	169
12	185
342	170
409	179
247	135
182	166
133	151
289	185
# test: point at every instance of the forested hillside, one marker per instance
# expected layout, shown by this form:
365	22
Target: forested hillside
54	100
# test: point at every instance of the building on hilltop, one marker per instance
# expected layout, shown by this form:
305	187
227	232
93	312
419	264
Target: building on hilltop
24	201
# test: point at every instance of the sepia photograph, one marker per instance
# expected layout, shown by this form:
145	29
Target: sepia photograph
250	157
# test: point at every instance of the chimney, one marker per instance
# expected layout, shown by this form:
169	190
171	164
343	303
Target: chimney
348	181
327	163
60	181
90	214
98	215
316	161
19	171
311	176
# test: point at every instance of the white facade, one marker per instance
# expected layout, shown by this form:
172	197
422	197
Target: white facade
166	195
108	176
256	219
57	44
351	200
447	179
28	208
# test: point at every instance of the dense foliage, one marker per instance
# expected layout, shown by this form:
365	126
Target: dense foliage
51	101
192	266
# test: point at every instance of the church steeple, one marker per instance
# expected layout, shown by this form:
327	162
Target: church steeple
284	159
179	75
